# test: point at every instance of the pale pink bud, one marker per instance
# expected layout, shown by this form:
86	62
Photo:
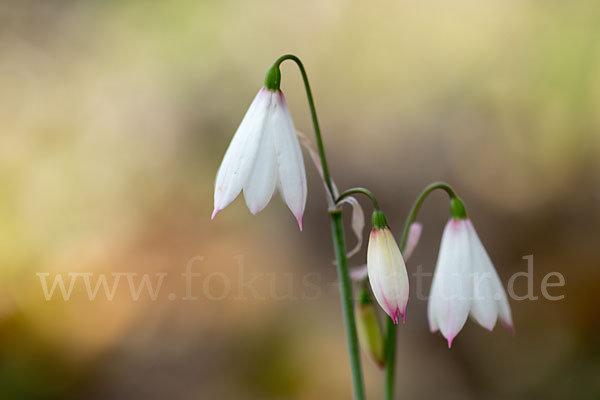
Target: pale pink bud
387	272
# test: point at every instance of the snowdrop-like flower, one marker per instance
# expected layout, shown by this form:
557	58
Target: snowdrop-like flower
386	269
465	281
263	154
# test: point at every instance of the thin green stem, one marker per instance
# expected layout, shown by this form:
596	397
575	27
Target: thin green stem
390	359
337	231
315	121
359	190
390	345
339	244
417	205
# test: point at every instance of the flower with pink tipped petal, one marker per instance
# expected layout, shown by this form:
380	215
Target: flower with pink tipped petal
386	269
263	154
465	281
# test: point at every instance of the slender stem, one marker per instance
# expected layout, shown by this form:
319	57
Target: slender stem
417	205
337	230
315	121
390	345
359	190
390	359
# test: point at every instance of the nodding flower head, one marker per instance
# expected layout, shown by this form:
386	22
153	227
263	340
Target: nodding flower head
465	281
264	154
386	269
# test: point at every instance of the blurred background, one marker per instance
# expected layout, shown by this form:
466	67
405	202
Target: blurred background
114	117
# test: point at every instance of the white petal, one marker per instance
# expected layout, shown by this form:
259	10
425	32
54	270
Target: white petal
452	287
483	305
431	316
497	290
261	182
292	175
387	273
432	312
241	153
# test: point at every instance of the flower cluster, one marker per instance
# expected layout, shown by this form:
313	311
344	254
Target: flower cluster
265	154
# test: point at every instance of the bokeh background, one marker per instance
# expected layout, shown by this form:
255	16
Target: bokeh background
114	117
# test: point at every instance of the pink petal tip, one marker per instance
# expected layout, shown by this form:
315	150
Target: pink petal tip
450	340
214	213
299	219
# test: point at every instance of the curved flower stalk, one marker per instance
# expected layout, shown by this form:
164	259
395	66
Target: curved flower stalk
263	154
465	281
386	269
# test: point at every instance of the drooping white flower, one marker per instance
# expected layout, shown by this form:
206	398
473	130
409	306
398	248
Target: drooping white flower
465	283
263	154
386	269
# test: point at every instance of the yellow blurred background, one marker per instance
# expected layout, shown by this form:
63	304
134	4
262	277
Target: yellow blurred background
114	117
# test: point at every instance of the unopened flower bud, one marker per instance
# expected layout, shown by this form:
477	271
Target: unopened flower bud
369	330
387	272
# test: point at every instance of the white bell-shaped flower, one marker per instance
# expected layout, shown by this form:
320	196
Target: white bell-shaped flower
465	283
263	154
